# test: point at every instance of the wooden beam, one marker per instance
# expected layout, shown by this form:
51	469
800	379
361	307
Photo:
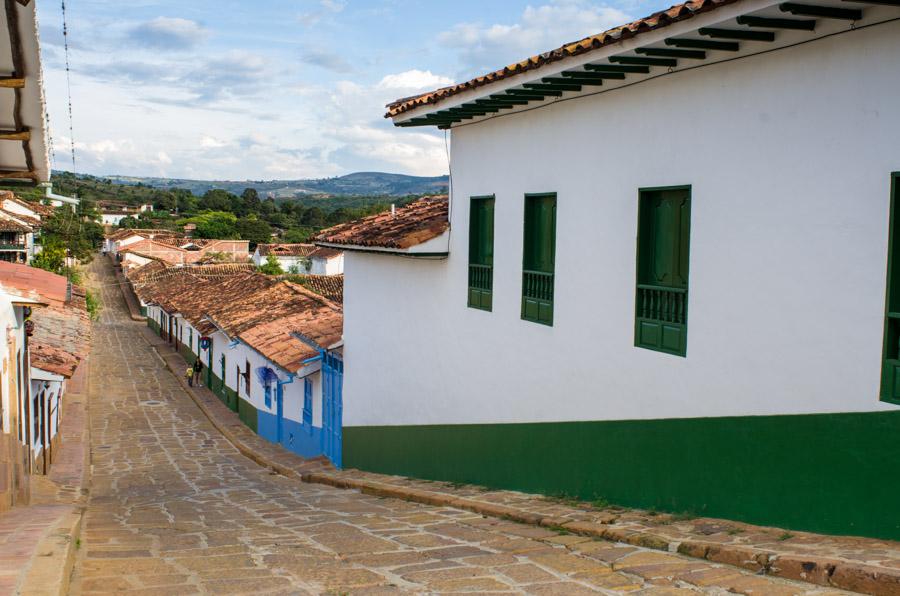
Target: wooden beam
827	12
572	81
543	87
584	74
737	34
797	24
12	83
532	92
506	101
534	96
639	61
612	68
17	175
668	53
15	135
704	44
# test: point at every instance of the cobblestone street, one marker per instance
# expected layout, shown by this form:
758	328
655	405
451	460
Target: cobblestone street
175	509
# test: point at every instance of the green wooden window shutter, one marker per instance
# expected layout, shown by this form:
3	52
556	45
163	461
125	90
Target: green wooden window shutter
539	258
890	368
664	231
481	252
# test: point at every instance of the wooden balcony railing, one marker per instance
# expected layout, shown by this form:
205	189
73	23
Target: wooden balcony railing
661	303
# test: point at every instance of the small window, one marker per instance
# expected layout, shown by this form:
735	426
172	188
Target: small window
267	395
481	252
890	366
539	258
663	256
307	401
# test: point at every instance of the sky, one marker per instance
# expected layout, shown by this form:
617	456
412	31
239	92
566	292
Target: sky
281	89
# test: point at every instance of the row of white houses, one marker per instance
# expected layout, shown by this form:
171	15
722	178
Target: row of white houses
270	349
662	281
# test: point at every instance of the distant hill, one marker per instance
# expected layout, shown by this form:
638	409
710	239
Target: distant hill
358	184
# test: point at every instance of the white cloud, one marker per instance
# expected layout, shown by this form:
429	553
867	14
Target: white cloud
167	33
212	143
413	80
485	48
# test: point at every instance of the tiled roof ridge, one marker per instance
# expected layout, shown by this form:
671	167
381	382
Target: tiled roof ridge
657	20
300	289
422	220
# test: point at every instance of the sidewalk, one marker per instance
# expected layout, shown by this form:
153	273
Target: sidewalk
38	541
857	564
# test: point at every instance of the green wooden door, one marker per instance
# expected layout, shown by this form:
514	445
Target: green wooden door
481	252
539	258
664	224
890	369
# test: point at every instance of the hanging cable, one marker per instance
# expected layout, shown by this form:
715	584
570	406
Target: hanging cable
65	27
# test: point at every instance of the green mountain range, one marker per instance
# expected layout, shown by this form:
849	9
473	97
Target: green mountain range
358	184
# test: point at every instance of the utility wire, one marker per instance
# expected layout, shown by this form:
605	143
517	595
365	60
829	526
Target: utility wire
65	28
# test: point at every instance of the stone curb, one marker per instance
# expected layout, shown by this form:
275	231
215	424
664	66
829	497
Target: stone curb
845	575
813	570
51	567
129	297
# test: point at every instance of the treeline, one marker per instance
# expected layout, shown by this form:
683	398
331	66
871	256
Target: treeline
221	214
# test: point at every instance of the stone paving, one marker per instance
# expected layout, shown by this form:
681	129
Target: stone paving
176	509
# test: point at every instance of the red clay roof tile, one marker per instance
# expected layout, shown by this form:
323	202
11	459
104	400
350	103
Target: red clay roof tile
663	18
414	224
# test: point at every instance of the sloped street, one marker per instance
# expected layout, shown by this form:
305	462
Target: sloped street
176	509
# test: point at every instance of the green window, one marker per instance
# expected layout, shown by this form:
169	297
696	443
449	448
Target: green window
481	252
890	368
663	251
539	258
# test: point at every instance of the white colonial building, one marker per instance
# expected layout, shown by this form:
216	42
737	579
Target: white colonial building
301	259
663	282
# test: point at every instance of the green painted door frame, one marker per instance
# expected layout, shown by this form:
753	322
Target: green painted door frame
890	366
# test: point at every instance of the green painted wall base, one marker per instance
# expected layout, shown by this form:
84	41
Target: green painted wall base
247	413
829	473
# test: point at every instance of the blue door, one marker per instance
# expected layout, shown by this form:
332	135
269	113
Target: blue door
332	407
279	412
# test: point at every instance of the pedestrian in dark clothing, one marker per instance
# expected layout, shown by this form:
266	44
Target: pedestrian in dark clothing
198	368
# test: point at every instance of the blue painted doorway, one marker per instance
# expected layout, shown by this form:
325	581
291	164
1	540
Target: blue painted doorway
332	407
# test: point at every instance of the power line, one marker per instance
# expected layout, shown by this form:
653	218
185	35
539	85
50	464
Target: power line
65	27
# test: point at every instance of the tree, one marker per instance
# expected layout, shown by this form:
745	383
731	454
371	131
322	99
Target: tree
76	232
272	266
214	224
217	200
314	216
255	230
251	200
51	258
297	235
128	223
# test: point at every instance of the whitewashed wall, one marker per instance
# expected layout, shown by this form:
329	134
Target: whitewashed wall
789	155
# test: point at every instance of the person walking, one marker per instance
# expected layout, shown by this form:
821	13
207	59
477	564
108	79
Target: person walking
189	375
198	368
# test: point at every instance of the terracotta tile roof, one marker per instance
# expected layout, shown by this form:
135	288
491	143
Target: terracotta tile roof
257	309
286	250
325	253
327	286
418	222
61	339
9	225
145	232
318	321
31	282
27	220
657	20
62	329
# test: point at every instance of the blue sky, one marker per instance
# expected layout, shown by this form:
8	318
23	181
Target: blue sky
220	89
